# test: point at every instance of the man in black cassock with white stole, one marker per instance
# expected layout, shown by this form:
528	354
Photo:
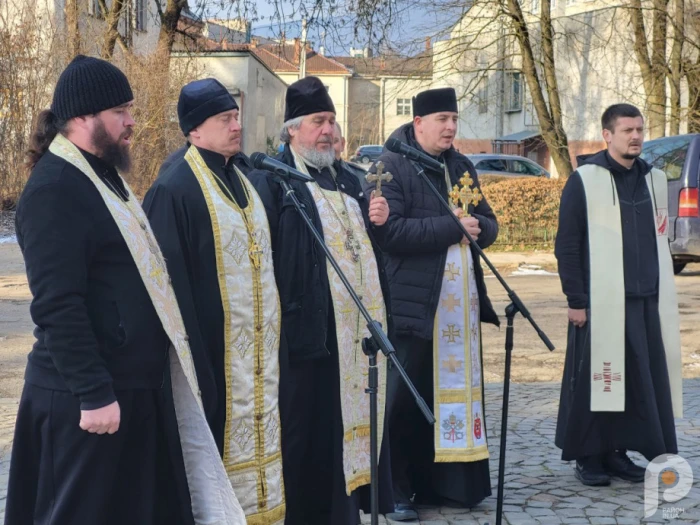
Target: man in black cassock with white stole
213	230
622	377
323	405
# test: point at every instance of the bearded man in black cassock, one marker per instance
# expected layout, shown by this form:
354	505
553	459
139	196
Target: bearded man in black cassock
213	230
110	379
323	404
438	301
622	377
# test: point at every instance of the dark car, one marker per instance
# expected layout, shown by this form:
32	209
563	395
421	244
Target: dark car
679	158
367	154
506	165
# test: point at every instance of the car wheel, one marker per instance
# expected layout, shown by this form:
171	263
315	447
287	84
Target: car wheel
365	160
678	267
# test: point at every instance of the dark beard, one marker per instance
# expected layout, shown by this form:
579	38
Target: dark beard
113	153
629	156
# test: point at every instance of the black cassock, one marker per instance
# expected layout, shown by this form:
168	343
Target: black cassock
310	409
180	219
647	424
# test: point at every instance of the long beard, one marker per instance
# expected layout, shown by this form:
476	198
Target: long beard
319	159
112	152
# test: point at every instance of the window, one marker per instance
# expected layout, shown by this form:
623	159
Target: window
514	92
403	106
140	15
483	96
492	165
667	154
94	9
525	168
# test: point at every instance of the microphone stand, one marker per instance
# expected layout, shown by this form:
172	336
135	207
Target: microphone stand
516	306
378	340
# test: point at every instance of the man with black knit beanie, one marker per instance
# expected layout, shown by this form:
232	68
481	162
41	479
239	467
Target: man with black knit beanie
111	362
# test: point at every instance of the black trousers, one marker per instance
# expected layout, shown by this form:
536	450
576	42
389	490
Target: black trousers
62	475
414	471
312	448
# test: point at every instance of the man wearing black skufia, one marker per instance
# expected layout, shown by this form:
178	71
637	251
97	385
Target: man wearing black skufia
438	301
213	230
622	376
91	442
323	371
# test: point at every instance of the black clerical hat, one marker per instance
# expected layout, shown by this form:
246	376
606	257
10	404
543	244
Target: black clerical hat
434	101
307	96
87	86
200	100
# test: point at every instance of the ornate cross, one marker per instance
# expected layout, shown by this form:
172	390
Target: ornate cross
452	333
378	178
451	302
466	194
255	253
607	376
452	364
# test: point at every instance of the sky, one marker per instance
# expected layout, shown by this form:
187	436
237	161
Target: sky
336	32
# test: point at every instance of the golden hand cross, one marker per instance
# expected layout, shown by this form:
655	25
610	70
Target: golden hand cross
378	178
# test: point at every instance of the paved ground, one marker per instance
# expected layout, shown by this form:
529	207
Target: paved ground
539	487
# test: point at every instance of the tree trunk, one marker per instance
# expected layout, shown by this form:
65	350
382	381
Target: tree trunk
168	24
677	66
653	68
111	34
550	122
72	28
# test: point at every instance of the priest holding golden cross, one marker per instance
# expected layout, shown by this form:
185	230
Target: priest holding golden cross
438	301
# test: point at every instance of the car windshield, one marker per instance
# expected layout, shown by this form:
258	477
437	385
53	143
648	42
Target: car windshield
668	154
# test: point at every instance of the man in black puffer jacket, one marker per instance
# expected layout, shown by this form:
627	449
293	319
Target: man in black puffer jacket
416	240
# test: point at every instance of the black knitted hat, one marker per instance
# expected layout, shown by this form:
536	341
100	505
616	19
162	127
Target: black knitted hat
200	100
87	86
435	101
307	96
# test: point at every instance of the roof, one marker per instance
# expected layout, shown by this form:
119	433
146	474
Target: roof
282	58
420	65
519	136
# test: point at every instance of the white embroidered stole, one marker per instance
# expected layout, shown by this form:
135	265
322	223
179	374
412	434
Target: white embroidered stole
607	289
252	454
212	497
351	328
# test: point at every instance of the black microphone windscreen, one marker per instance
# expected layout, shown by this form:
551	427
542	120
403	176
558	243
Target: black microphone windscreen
257	159
393	145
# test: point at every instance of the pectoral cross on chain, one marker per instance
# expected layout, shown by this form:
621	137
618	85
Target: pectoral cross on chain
255	253
378	178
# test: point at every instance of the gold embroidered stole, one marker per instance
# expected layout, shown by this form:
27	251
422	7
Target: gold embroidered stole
340	212
213	499
607	290
252	454
460	435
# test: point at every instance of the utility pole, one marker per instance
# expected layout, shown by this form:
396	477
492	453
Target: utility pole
302	55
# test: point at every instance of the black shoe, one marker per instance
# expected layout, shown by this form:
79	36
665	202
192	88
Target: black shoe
619	465
403	512
589	471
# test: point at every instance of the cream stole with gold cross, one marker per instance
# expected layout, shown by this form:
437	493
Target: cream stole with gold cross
252	454
460	435
212	497
350	326
607	290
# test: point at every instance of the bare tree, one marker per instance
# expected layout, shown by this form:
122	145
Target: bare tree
676	69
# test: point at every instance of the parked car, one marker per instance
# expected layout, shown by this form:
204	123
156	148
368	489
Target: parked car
506	165
679	158
367	154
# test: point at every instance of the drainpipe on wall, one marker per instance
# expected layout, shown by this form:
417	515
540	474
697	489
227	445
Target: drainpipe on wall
382	94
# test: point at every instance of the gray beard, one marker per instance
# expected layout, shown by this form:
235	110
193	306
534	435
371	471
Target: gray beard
317	159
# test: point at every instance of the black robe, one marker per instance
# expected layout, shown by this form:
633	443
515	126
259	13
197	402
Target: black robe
98	340
415	240
180	219
647	424
312	428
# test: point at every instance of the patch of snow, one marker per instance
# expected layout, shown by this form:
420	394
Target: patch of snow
531	269
8	239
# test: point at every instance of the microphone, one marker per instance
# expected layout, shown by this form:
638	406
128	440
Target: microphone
263	162
412	153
